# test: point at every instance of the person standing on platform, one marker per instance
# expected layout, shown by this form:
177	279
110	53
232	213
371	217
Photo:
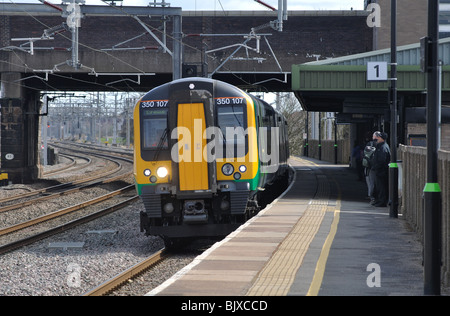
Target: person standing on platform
369	152
380	166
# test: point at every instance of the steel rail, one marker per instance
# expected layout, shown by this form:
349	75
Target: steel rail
62	212
128	274
64	227
68	166
66	191
65	167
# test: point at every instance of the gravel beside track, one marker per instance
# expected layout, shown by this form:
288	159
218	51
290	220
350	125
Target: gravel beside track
16	216
40	270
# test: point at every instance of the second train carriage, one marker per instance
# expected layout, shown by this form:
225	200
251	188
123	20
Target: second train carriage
204	153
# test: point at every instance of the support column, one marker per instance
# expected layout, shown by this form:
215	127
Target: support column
432	231
19	129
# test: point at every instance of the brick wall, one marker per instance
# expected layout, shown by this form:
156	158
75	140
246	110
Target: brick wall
421	129
302	37
4	31
412	17
305	34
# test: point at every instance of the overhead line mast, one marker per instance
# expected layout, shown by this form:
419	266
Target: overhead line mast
282	13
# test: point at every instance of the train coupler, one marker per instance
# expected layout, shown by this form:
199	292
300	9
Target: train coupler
195	212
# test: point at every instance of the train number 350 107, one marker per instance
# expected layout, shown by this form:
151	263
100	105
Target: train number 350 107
155	104
227	101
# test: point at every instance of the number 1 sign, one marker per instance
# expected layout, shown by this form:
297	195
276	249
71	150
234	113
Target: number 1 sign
377	71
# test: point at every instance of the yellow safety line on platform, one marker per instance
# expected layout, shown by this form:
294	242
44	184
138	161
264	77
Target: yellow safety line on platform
322	262
279	273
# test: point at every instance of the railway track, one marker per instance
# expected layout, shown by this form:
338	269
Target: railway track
63	188
59	213
99	258
128	274
110	243
60	228
8	232
74	164
42	262
151	272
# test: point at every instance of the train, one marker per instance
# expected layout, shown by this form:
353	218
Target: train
205	152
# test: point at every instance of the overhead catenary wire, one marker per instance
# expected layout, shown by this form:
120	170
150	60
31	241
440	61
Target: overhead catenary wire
214	58
69	39
34	71
156	30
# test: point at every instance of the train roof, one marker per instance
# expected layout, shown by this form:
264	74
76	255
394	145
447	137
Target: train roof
220	88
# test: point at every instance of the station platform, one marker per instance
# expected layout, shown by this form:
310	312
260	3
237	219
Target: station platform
320	238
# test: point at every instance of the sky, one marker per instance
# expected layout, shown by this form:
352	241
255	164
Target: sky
229	5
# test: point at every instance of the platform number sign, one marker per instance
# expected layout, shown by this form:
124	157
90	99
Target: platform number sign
377	71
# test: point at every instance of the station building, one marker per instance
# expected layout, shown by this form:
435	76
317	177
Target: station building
344	109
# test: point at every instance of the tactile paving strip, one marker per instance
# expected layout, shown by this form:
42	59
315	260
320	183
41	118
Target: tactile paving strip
262	257
276	278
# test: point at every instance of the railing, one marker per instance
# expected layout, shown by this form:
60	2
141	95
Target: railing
413	182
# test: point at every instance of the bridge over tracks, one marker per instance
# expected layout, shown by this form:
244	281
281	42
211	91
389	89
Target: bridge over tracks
131	49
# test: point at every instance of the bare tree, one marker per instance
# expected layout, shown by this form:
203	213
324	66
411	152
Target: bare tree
291	108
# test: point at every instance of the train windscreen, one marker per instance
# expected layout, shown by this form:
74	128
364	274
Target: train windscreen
232	124
154	133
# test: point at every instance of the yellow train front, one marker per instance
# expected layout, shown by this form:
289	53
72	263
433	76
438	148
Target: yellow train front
204	153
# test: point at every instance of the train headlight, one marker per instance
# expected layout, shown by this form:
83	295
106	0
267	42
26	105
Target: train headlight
227	169
147	172
162	172
242	169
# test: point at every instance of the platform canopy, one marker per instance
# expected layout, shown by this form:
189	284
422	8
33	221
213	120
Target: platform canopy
340	84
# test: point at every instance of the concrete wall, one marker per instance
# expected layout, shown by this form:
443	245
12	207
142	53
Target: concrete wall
414	179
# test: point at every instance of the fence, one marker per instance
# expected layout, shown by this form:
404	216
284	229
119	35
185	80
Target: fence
328	150
413	183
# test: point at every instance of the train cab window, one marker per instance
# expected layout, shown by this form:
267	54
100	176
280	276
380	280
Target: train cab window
232	124
154	134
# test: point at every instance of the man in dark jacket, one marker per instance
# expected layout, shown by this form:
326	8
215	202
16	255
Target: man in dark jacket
380	165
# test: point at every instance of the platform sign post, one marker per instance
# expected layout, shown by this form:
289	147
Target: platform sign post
377	71
393	166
